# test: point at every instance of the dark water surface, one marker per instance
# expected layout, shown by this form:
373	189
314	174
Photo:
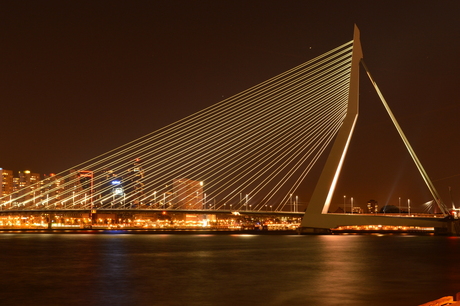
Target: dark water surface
144	269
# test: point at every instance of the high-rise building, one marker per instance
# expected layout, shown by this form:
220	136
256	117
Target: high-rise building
27	185
6	183
188	194
54	187
109	188
134	183
74	190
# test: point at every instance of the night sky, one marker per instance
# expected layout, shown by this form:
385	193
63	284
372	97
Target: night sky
78	78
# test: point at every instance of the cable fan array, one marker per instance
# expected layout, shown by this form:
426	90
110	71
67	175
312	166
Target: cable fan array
249	151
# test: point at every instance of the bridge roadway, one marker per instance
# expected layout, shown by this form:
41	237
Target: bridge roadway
414	216
137	211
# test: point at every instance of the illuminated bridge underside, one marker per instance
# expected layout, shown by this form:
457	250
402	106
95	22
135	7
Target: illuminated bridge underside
316	217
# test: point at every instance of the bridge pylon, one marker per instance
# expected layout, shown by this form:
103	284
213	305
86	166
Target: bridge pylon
317	220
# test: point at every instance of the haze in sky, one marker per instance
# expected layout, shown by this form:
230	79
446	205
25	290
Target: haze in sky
81	78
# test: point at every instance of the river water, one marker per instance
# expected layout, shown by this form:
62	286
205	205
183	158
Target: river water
157	269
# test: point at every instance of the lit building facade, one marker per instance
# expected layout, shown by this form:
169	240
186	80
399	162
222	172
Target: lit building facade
114	189
372	207
27	185
6	183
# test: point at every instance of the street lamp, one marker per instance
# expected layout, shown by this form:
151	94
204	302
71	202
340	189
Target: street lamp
344	208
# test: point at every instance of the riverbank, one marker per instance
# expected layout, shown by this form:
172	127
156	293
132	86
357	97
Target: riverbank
197	231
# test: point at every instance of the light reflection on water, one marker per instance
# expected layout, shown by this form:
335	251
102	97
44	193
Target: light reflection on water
130	269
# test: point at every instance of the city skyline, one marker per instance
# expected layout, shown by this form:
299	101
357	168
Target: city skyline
82	79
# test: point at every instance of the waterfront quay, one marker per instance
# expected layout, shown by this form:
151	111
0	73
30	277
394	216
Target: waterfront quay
174	220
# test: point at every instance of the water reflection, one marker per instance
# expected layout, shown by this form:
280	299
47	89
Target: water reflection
129	269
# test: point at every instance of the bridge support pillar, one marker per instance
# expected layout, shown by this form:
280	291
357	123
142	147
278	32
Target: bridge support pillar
450	228
313	231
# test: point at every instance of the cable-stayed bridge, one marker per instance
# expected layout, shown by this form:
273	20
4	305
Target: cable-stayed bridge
250	152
